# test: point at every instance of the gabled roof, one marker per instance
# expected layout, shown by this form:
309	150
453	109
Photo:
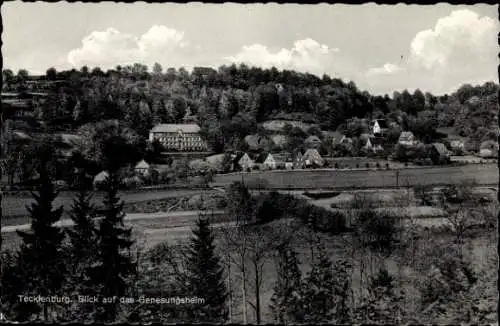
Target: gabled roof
440	148
262	157
142	165
101	176
313	156
184	127
405	136
381	123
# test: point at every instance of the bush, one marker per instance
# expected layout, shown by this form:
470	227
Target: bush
378	231
377	165
357	165
367	165
387	166
336	165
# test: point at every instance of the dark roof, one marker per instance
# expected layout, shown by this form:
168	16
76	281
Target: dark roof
382	123
440	148
261	158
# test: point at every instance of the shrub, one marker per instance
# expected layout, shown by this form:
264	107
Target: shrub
367	165
377	165
357	165
377	231
336	165
387	166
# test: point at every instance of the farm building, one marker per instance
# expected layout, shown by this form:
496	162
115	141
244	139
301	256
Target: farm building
379	127
266	161
311	158
279	140
242	161
439	154
142	168
406	138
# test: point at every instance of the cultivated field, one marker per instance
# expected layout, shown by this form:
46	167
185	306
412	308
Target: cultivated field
486	174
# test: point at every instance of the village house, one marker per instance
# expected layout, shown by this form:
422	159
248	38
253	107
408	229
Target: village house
313	142
266	161
311	159
100	178
179	137
439	154
406	138
242	162
284	160
142	168
379	127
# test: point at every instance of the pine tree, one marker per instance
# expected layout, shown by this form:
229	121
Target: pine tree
40	260
111	274
286	291
83	239
204	276
83	235
318	299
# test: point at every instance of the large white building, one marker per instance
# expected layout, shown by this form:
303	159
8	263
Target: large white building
179	137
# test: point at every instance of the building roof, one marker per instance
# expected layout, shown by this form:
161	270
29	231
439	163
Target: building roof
313	156
101	176
440	148
382	123
184	127
262	157
405	136
142	165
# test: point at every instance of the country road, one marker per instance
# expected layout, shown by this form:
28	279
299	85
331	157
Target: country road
148	229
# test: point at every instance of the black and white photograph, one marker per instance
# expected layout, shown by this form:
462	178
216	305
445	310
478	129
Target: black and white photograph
252	163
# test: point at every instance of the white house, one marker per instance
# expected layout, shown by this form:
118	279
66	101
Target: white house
100	178
142	168
243	161
379	126
407	138
266	161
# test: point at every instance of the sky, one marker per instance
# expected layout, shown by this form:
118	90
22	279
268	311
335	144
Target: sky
382	48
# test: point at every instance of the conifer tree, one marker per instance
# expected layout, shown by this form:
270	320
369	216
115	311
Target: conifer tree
204	276
111	274
286	291
84	246
41	259
318	291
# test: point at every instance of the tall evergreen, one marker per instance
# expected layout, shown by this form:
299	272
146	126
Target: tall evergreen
83	234
318	291
84	246
41	259
204	276
285	298
112	273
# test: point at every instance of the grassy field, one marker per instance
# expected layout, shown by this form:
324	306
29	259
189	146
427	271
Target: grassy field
14	207
486	174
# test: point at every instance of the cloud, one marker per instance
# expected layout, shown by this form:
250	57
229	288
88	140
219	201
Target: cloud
387	69
111	47
306	55
460	48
